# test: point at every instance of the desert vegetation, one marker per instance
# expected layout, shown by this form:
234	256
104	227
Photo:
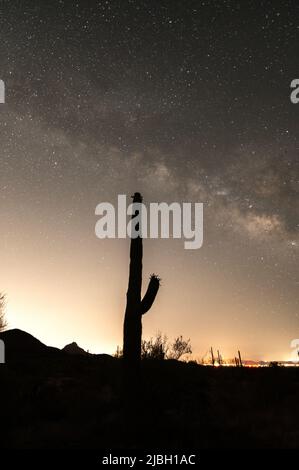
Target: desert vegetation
3	322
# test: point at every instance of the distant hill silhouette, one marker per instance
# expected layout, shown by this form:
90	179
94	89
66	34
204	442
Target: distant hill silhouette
20	342
73	348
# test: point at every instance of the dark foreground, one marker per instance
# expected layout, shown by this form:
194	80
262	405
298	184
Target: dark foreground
51	399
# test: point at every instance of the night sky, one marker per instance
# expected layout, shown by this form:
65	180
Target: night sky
182	101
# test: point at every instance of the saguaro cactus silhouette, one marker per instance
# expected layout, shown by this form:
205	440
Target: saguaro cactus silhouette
136	307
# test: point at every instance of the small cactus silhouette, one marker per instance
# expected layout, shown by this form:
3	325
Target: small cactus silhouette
136	307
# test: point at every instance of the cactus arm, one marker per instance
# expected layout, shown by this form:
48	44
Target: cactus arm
150	294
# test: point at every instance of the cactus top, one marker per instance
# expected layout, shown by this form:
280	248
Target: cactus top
137	197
